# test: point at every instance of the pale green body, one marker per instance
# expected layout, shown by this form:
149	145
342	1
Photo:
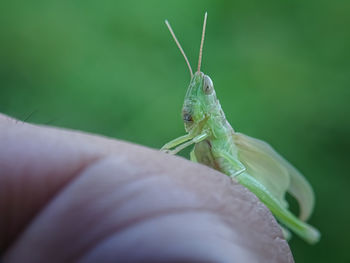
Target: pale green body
251	162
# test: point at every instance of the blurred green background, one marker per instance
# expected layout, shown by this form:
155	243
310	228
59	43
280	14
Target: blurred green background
281	70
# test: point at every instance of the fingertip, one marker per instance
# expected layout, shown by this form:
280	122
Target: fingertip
92	171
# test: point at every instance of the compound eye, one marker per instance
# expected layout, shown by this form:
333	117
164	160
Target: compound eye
187	117
207	85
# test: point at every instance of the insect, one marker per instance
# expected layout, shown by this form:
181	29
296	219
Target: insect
252	162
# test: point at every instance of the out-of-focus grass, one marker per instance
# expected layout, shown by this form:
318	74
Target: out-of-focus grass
281	70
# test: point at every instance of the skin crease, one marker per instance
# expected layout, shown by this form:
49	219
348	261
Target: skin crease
68	196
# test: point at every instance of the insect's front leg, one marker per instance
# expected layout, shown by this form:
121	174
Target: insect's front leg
196	139
176	142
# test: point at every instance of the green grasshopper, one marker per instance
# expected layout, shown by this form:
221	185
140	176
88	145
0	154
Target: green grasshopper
253	163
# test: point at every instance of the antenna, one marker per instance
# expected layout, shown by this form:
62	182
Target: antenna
202	42
179	46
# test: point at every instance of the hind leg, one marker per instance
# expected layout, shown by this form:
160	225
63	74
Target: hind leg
305	231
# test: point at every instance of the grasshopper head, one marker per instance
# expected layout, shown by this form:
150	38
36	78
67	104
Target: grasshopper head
200	97
200	101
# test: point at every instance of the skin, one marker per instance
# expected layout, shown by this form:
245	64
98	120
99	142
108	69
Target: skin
215	145
68	196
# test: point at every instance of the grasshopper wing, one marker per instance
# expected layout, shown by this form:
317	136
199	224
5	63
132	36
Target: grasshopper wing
273	171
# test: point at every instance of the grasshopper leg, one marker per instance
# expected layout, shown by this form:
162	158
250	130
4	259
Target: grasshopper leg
193	156
237	166
301	228
286	233
176	142
196	139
